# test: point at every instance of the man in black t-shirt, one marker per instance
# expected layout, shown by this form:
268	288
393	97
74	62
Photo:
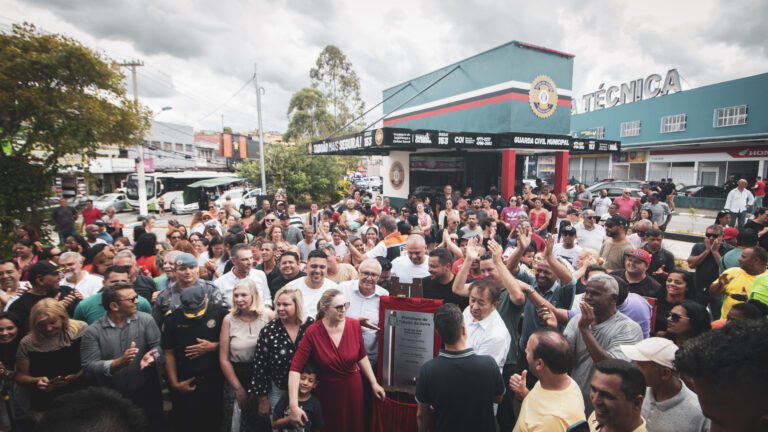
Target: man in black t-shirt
44	278
458	384
662	260
705	258
759	224
190	341
439	284
635	274
289	270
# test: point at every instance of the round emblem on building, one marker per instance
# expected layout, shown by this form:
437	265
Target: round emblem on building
379	137
543	96
396	175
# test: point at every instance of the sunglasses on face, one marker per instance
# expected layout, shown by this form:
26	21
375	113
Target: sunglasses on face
590	217
674	317
132	299
713	235
342	307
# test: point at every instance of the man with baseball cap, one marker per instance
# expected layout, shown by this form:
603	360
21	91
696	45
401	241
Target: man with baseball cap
730	235
187	276
567	249
668	406
617	244
44	278
635	274
190	341
291	233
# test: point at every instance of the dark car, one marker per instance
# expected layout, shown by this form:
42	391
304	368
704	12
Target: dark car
702	191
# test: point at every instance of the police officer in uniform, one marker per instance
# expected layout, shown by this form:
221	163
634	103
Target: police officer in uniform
190	342
187	275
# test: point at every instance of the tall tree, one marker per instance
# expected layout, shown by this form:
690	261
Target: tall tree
308	116
57	99
334	76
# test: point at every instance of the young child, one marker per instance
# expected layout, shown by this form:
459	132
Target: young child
281	420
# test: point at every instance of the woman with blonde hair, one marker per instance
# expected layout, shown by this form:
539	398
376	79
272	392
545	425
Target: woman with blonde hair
237	346
587	257
277	343
48	358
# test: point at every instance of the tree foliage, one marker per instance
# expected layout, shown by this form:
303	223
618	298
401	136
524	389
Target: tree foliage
334	76
291	167
57	99
308	116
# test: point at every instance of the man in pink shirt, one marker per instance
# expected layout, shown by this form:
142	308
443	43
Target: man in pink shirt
628	206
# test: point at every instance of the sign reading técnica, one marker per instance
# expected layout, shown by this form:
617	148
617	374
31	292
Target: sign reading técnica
632	91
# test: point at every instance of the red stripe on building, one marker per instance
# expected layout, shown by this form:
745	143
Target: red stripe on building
467	105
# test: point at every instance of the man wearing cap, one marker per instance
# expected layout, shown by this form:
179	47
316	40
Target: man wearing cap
187	276
120	351
103	234
662	260
729	235
635	274
291	234
555	402
190	341
77	278
567	249
590	234
736	283
617	245
668	406
91	309
660	212
704	259
44	278
745	239
242	260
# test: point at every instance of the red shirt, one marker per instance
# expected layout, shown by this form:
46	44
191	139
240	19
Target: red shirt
90	216
626	206
760	190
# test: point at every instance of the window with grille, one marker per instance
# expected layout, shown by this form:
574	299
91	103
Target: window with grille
674	123
630	129
730	116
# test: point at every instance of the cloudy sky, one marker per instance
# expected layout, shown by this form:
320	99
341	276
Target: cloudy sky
199	53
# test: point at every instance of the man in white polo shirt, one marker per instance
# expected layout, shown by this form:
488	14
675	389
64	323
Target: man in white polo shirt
314	284
414	264
76	277
486	332
242	261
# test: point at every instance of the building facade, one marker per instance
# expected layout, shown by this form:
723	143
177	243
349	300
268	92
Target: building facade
696	137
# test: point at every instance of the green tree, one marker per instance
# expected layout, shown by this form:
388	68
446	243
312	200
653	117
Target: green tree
308	116
334	76
57	99
290	167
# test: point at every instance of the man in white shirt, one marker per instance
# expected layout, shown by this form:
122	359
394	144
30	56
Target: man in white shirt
601	203
486	332
567	248
314	284
589	234
242	267
76	277
738	202
414	265
364	296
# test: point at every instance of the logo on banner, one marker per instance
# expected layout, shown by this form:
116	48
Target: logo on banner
397	175
379	137
543	96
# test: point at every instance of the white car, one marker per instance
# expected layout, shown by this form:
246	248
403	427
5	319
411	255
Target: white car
374	183
168	197
250	199
178	206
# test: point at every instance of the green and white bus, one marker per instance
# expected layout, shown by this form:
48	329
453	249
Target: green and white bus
160	183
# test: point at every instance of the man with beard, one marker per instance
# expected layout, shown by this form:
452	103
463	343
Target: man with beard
615	248
314	284
290	270
77	278
242	260
439	283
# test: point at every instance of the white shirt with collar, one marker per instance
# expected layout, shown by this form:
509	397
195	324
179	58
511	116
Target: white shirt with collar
489	336
89	286
361	306
407	271
738	201
226	284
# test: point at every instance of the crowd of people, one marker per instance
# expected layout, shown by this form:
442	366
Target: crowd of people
557	311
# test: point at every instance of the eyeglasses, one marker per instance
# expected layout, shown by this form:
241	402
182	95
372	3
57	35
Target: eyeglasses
713	235
132	299
370	275
342	307
675	317
590	217
270	220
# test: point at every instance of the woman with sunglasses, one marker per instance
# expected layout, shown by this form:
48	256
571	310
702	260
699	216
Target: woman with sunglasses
686	320
510	215
336	345
680	286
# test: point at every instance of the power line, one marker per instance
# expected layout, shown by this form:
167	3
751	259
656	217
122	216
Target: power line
228	100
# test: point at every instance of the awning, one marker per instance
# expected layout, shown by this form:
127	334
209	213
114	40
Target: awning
382	141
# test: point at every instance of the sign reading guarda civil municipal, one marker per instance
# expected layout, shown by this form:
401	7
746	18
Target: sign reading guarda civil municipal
632	91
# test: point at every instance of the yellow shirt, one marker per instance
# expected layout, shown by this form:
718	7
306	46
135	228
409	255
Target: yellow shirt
550	410
594	426
741	279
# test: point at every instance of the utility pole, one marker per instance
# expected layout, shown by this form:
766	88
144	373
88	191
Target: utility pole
139	144
259	90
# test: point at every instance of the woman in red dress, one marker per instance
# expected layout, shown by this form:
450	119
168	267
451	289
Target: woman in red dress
335	343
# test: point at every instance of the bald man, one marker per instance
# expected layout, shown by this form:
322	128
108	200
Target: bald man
414	264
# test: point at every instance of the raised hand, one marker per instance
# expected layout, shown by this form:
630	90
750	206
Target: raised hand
517	384
587	316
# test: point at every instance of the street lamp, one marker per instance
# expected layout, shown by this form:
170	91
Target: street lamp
140	170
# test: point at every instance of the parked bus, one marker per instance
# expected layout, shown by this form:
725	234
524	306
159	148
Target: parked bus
161	183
